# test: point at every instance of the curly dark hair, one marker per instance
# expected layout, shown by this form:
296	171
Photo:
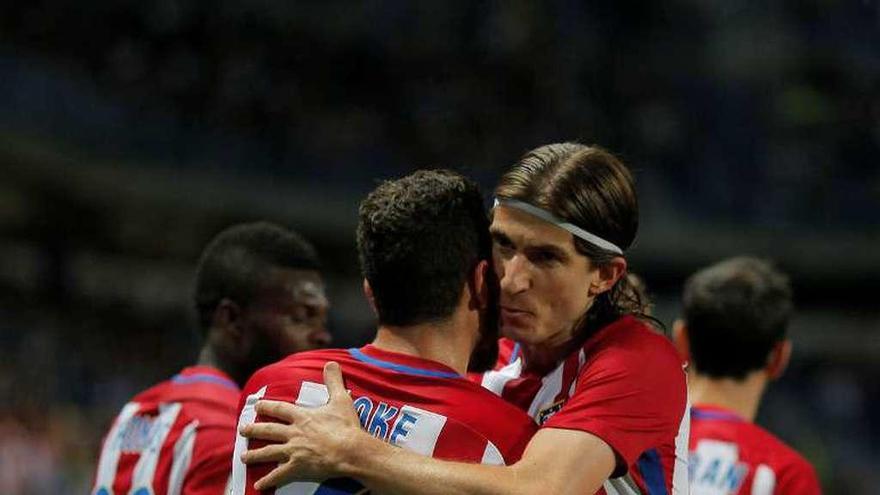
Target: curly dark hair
418	238
235	263
736	311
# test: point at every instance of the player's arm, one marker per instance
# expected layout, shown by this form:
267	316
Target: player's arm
328	442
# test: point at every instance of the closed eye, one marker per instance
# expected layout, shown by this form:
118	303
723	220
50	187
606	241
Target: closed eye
543	256
502	240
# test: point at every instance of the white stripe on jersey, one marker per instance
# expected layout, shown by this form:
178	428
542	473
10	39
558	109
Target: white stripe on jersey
183	451
494	381
492	455
582	358
298	488
680	472
764	482
145	470
620	486
112	450
551	385
312	394
247	416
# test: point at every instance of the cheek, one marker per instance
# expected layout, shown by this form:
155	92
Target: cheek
566	302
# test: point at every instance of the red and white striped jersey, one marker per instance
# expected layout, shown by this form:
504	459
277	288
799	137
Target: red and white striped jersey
174	438
732	456
411	402
627	386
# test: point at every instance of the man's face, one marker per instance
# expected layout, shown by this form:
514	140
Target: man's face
288	315
543	280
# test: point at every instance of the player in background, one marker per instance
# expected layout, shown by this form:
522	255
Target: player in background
733	332
259	296
608	392
424	249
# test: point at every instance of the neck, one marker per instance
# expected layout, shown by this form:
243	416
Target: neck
541	358
209	357
739	396
443	342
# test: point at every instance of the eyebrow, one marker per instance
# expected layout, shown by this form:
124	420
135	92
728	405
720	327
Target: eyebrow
500	236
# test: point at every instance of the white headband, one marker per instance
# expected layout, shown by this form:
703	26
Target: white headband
551	218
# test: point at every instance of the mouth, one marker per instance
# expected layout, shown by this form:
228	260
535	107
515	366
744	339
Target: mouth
512	310
507	311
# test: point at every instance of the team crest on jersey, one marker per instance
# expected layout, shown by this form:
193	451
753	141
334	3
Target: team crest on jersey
545	414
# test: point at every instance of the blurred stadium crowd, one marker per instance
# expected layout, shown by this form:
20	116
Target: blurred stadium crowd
130	132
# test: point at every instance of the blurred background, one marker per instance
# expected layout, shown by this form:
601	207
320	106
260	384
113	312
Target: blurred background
133	131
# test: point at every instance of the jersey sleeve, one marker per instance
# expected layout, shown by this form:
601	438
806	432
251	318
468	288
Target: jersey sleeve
799	479
210	468
631	401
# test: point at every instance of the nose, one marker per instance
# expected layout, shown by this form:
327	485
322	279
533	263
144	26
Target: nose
515	276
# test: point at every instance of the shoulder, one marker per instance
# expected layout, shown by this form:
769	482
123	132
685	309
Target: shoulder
294	366
477	413
153	393
628	365
756	444
632	347
632	334
477	405
793	473
780	453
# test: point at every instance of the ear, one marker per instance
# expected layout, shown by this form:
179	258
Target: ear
680	339
779	358
607	275
227	317
368	291
478	285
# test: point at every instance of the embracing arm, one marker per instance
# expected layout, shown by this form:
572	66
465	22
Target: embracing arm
555	461
327	442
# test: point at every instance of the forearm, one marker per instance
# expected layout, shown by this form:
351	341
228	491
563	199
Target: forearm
392	470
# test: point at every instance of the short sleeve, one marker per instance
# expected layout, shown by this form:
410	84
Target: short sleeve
631	399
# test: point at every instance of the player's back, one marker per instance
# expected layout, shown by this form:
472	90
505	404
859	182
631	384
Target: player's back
730	455
173	438
414	403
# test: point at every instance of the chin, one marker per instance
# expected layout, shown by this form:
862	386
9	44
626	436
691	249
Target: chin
517	334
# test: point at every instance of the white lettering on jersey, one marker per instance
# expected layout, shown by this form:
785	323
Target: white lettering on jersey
145	469
422	436
764	482
109	461
715	468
